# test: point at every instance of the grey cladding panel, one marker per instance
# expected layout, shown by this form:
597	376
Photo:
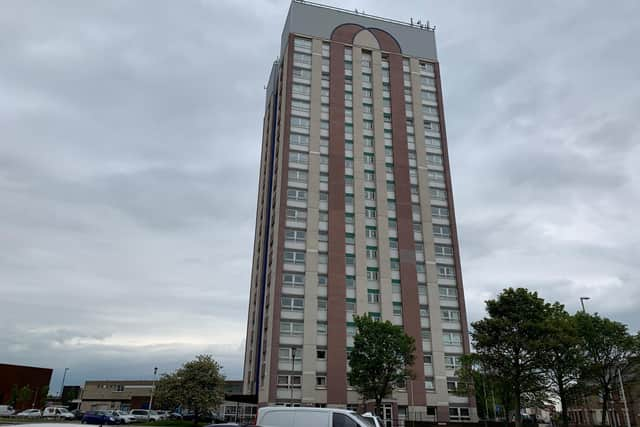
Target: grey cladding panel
320	22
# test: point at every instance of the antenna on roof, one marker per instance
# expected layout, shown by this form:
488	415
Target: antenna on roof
356	10
411	21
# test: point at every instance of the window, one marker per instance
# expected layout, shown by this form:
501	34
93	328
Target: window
297	157
371	233
372	275
367	108
397	309
350	282
452	386
438	194
459	414
301	44
393	244
444	250
299	139
428	384
450	315
322	280
293	194
422	289
299	122
350	305
424	312
321	354
325	49
289	380
369	176
372	253
348	200
323	259
321	381
434	159
322	328
366	93
291	328
448	293
294	257
367	124
301	73
428	81
395	265
446	271
452	338
322	304
428	96
323	216
370	194
323	236
301	58
373	296
349	238
441	231
296	214
341	420
350	259
426	335
285	354
369	159
436	176
427	358
295	235
451	362
348	163
439	212
370	213
323	196
292	304
351	330
391	187
420	268
299	89
426	67
293	279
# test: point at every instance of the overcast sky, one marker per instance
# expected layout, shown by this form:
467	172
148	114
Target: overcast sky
129	144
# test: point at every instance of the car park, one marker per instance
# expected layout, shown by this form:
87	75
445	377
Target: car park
30	413
6	411
58	413
278	416
98	417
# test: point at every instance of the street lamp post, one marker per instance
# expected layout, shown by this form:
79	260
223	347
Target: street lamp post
293	360
582	300
153	387
624	399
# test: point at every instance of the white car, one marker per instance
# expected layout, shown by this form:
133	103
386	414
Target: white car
30	413
279	416
58	413
375	420
6	410
122	417
145	415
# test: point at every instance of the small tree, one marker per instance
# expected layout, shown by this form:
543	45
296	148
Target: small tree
562	355
198	385
382	357
509	340
24	396
608	347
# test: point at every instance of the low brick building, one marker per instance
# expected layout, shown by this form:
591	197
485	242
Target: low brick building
116	394
14	378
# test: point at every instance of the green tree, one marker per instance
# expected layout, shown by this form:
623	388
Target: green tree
608	347
382	357
43	396
198	385
13	397
508	342
563	359
24	396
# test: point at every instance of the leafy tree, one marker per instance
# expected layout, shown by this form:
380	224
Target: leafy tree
24	396
382	357
43	395
608	347
508	342
13	397
198	386
562	355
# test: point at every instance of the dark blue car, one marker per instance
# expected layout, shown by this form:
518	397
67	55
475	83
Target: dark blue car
98	417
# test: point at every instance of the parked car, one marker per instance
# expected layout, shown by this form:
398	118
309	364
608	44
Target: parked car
78	414
30	413
145	415
6	411
57	412
164	415
373	419
98	417
122	417
278	416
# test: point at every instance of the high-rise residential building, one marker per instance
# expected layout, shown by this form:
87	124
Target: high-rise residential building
355	215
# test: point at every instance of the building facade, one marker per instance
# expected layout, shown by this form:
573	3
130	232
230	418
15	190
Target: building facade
14	378
116	394
355	215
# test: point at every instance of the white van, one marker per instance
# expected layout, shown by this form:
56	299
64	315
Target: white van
6	410
280	416
57	412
